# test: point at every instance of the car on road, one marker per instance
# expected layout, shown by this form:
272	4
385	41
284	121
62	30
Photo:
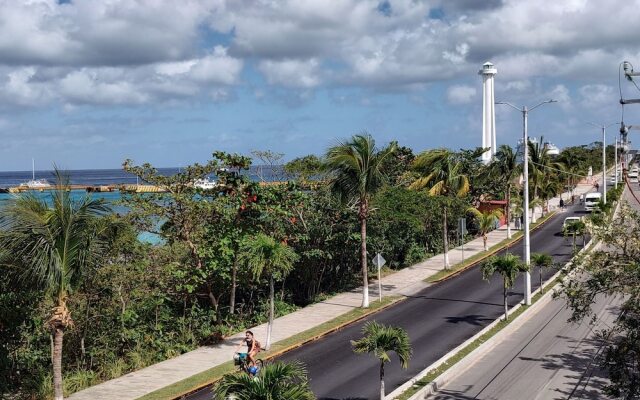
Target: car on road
591	201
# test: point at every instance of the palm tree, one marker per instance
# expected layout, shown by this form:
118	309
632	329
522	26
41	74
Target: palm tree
506	168
509	266
443	175
262	253
576	228
486	222
541	165
53	247
541	261
277	381
379	340
549	189
356	169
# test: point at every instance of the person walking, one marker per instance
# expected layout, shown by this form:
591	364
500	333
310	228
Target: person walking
561	203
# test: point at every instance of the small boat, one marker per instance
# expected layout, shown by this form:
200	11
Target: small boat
205	184
35	184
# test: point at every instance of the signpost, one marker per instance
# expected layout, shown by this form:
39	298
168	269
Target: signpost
462	229
379	261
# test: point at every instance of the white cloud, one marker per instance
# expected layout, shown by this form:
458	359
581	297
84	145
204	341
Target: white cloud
461	94
136	51
292	73
561	94
598	96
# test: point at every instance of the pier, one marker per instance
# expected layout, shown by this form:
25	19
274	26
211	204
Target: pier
128	188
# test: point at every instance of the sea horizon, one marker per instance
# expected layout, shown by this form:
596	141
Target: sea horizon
107	176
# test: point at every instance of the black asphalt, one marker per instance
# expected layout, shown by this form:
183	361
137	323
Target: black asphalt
437	320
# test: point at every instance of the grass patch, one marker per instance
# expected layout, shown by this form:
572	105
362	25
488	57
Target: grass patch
212	375
432	375
461	266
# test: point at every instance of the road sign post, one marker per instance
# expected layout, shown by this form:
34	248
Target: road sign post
462	229
379	261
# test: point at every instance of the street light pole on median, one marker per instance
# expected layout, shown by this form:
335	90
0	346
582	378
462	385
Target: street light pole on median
615	163
525	166
604	158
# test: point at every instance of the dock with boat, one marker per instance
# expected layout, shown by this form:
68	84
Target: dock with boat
124	188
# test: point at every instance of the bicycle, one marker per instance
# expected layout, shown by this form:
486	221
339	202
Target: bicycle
244	365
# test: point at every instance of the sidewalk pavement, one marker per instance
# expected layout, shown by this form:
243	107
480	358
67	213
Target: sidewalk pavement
403	283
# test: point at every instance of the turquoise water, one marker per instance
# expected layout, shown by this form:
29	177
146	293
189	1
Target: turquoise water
109	197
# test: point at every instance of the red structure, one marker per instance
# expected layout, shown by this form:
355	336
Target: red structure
488	206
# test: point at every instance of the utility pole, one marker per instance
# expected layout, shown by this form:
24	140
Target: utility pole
604	158
525	165
629	74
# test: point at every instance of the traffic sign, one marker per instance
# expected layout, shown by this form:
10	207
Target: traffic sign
378	260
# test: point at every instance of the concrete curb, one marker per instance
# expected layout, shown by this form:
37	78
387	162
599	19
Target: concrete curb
482	349
513	241
298	344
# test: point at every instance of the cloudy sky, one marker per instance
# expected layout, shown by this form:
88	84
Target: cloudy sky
88	83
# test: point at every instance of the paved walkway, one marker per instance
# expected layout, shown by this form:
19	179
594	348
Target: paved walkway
404	282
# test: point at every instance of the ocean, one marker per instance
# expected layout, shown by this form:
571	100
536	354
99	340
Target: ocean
99	177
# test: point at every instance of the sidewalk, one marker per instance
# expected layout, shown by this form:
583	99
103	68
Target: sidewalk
404	282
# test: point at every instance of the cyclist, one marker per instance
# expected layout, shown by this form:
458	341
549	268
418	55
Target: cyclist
253	347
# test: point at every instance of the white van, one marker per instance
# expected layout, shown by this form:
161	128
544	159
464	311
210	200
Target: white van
633	176
591	201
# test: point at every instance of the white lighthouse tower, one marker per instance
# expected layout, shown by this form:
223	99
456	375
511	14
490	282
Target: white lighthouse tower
488	112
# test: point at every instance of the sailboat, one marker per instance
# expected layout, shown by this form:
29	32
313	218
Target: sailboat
35	183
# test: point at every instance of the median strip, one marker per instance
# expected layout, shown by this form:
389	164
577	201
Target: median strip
471	261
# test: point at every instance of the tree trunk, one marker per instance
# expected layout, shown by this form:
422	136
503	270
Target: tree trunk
445	238
540	272
271	312
214	301
382	394
58	335
508	211
484	240
506	306
363	256
234	273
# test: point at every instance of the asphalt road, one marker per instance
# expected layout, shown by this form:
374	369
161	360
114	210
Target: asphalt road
437	320
547	358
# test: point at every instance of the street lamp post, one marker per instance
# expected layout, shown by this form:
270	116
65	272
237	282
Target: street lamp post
615	163
604	158
525	164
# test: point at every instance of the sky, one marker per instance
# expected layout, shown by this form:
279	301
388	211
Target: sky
88	84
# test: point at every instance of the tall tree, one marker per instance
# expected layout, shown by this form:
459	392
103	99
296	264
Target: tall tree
574	229
508	266
541	165
356	175
263	254
379	340
443	175
541	260
505	168
53	246
277	381
548	190
486	222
